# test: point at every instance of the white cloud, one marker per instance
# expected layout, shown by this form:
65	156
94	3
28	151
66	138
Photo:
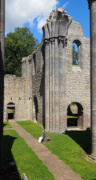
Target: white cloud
65	5
18	12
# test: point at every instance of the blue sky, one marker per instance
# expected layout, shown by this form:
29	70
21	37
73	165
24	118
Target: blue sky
78	9
33	14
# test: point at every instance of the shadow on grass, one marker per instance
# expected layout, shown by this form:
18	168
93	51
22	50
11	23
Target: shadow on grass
83	138
9	163
4	124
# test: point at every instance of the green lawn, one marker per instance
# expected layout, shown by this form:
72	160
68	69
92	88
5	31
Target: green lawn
15	149
68	148
6	125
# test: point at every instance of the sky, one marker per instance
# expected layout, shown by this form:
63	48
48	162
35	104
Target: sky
33	14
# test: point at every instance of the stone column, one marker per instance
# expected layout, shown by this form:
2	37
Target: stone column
30	90
56	88
92	7
47	66
62	82
51	77
2	33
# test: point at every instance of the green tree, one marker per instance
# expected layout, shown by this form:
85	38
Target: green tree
75	55
18	44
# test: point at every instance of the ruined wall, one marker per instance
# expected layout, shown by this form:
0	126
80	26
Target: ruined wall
78	76
33	72
38	85
14	92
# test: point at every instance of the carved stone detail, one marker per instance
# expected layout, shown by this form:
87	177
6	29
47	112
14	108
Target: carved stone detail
52	40
58	14
46	41
62	40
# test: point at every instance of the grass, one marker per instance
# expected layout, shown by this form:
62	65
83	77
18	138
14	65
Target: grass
72	117
6	125
26	160
68	148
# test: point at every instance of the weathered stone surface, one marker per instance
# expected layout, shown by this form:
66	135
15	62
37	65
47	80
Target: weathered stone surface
92	6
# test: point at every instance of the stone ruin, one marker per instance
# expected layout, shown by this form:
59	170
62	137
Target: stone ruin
51	84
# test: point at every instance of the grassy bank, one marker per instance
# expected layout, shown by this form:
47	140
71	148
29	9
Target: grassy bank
15	149
68	148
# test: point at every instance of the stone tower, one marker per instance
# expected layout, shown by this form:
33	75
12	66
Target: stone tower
92	7
2	33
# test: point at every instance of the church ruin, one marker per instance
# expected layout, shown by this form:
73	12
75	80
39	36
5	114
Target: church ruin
52	89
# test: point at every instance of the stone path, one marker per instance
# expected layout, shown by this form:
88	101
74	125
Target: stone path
59	170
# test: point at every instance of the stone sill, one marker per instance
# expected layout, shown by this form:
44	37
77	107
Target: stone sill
76	68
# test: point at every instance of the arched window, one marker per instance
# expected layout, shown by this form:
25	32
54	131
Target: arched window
76	52
34	64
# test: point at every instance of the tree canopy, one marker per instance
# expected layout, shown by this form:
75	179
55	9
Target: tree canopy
18	44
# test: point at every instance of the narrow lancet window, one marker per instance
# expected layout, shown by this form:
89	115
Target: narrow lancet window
75	53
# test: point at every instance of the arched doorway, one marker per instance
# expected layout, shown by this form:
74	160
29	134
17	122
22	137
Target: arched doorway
35	108
75	115
10	110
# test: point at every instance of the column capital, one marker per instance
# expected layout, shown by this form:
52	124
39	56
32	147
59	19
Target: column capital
52	40
90	2
62	40
46	42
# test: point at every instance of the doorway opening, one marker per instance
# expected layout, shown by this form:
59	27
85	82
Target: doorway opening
10	111
35	108
75	115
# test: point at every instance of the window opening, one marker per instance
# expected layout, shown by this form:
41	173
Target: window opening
75	54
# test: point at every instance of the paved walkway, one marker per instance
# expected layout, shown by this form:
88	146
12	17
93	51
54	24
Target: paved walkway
59	170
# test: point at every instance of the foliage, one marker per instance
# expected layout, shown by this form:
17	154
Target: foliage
68	148
15	149
18	44
75	56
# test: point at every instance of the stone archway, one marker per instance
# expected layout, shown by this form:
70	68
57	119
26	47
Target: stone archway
75	115
35	108
10	110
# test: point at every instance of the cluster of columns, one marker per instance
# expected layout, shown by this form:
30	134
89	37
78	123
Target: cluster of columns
55	66
55	38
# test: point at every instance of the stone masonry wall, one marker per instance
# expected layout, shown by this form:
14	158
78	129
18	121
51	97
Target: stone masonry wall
78	76
33	73
38	86
14	92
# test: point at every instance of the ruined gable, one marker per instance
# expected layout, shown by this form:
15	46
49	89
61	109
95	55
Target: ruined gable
51	82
